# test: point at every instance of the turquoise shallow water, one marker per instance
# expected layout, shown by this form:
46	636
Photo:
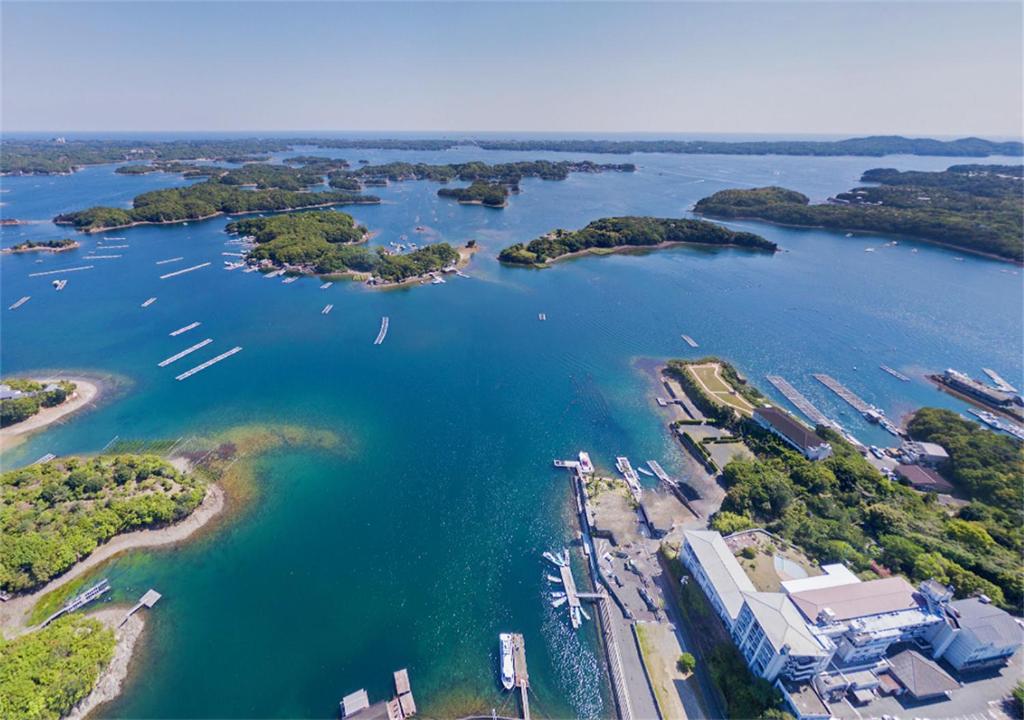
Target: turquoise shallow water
421	541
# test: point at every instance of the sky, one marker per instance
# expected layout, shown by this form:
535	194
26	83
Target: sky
846	68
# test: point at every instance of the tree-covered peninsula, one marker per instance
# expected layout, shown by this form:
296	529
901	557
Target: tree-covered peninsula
480	192
327	243
55	513
278	187
28	397
975	208
609	234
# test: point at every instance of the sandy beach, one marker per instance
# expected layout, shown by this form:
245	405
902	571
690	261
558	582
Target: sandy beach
14	612
87	392
111	680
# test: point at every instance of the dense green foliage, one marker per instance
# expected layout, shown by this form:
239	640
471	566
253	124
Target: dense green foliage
843	510
309	239
43	244
37	395
480	191
430	258
721	414
48	156
686	663
628	231
505	173
53	514
974	207
746	695
43	674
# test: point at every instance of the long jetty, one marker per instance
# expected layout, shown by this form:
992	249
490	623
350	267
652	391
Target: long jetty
384	323
148	600
690	341
208	363
327	309
190	326
169	260
844	392
20	302
800	401
895	373
80	600
148	302
183	353
102	257
62	270
184	270
522	675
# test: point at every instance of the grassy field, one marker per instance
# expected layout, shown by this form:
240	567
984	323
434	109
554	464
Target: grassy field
709	377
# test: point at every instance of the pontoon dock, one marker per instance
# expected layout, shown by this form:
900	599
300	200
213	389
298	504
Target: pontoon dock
185	329
208	363
183	353
186	270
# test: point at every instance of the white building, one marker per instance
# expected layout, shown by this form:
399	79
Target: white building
832	575
776	640
713	566
793	432
976	635
925	453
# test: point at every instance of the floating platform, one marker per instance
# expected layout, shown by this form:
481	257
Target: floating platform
800	401
148	302
64	270
183	353
102	257
542	317
327	309
18	303
845	393
190	326
326	285
623	465
690	341
999	382
111	247
208	363
384	324
44	459
169	260
895	373
200	266
148	600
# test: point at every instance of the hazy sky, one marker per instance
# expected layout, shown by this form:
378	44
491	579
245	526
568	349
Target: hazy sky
919	68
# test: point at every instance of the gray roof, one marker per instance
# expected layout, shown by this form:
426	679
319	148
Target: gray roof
858	600
782	623
721	567
920	676
989	624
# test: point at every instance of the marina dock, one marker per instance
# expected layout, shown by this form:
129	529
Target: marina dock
185	329
148	600
400	707
200	266
148	302
895	373
102	257
20	302
326	285
522	675
169	260
81	600
999	382
659	472
183	353
801	402
208	363
623	465
64	270
690	341
384	323
845	393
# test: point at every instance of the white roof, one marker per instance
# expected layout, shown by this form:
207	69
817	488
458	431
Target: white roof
721	567
783	624
354	702
835	575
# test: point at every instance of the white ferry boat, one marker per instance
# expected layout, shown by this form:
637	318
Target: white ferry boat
508	676
586	467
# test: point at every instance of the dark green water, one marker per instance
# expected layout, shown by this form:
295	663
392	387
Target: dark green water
421	541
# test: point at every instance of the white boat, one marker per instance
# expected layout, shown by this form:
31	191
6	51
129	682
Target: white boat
508	677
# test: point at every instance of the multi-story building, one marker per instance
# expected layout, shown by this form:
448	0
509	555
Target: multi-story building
776	641
713	566
976	635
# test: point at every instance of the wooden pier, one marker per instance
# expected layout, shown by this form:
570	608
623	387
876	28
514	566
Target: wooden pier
800	401
522	675
81	600
690	341
63	270
169	260
183	353
148	302
190	326
208	363
148	600
200	266
384	323
20	302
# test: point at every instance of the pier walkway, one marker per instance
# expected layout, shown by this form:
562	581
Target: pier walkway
200	266
208	363
845	393
801	402
63	270
148	600
81	600
522	675
183	353
384	323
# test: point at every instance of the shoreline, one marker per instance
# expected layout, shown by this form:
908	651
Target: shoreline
926	241
88	390
14	612
626	249
138	223
465	256
40	248
112	679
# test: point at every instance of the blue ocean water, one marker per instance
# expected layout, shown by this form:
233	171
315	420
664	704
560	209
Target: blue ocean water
422	540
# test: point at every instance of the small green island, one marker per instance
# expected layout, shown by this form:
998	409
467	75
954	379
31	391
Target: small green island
42	246
621	233
973	208
505	173
480	192
249	189
24	398
330	243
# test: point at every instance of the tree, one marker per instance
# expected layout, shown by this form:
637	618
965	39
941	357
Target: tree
687	663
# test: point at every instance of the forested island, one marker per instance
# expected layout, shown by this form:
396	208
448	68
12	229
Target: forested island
974	208
57	512
842	509
610	234
42	245
59	156
326	243
278	187
28	397
480	192
505	173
